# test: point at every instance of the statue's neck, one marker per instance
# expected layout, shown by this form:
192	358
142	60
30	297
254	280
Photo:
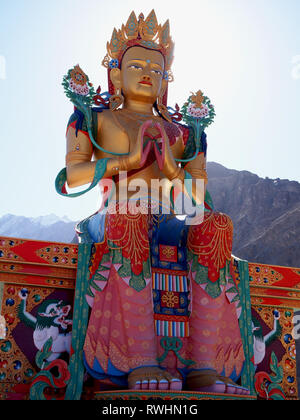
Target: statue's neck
138	107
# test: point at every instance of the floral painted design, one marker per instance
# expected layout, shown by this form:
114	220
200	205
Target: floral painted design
267	386
170	299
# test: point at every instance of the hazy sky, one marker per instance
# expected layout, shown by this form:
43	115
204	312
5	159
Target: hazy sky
244	54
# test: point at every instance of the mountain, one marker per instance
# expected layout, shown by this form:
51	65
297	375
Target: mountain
44	228
265	214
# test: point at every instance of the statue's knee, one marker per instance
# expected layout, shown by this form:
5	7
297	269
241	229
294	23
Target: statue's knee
213	229
216	219
222	221
124	228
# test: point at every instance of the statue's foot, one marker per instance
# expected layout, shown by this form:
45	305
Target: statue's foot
208	380
233	388
205	380
153	379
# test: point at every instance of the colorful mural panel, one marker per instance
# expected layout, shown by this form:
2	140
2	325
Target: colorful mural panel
37	285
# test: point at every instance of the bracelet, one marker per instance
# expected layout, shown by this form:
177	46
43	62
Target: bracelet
123	164
176	174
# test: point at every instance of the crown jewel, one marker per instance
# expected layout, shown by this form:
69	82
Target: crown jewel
140	32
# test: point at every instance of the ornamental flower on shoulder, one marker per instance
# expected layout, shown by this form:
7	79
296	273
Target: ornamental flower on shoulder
198	112
78	82
197	99
78	76
197	108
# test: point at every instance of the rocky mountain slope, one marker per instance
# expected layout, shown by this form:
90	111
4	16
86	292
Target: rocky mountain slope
265	213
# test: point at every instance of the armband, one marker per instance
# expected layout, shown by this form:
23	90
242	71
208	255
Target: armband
75	156
61	179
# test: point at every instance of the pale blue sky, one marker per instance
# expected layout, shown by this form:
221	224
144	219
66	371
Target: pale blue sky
244	54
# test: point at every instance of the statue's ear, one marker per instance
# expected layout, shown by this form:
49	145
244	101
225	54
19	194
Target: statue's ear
115	77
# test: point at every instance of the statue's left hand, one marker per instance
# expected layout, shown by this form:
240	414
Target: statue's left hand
138	155
164	155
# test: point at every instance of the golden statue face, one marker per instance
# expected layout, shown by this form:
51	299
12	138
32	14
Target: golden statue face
141	75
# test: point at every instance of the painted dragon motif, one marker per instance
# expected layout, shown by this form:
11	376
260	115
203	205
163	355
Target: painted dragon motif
52	321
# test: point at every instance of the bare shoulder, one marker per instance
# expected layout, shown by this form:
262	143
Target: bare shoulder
104	116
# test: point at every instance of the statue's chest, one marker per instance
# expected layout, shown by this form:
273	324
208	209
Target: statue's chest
114	137
119	134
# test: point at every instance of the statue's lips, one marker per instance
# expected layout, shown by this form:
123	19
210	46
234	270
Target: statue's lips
146	83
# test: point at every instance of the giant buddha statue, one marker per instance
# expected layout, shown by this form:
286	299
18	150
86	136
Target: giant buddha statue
164	307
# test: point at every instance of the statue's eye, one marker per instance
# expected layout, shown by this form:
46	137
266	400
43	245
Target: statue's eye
157	72
135	66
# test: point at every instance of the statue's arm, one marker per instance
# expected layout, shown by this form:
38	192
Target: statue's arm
197	170
80	168
79	158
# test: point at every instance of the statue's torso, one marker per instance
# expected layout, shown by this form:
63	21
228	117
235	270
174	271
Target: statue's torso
118	132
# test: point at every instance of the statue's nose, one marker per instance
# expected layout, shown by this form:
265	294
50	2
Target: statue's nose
146	78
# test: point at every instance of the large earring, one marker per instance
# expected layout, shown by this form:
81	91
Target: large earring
116	100
163	110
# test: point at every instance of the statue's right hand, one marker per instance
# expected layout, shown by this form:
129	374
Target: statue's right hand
138	156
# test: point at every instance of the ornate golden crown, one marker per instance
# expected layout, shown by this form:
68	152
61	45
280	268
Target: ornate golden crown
140	32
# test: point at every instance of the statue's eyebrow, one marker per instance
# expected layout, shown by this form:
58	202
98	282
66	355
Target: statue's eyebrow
138	59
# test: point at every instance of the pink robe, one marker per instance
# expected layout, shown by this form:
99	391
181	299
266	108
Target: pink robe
122	333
